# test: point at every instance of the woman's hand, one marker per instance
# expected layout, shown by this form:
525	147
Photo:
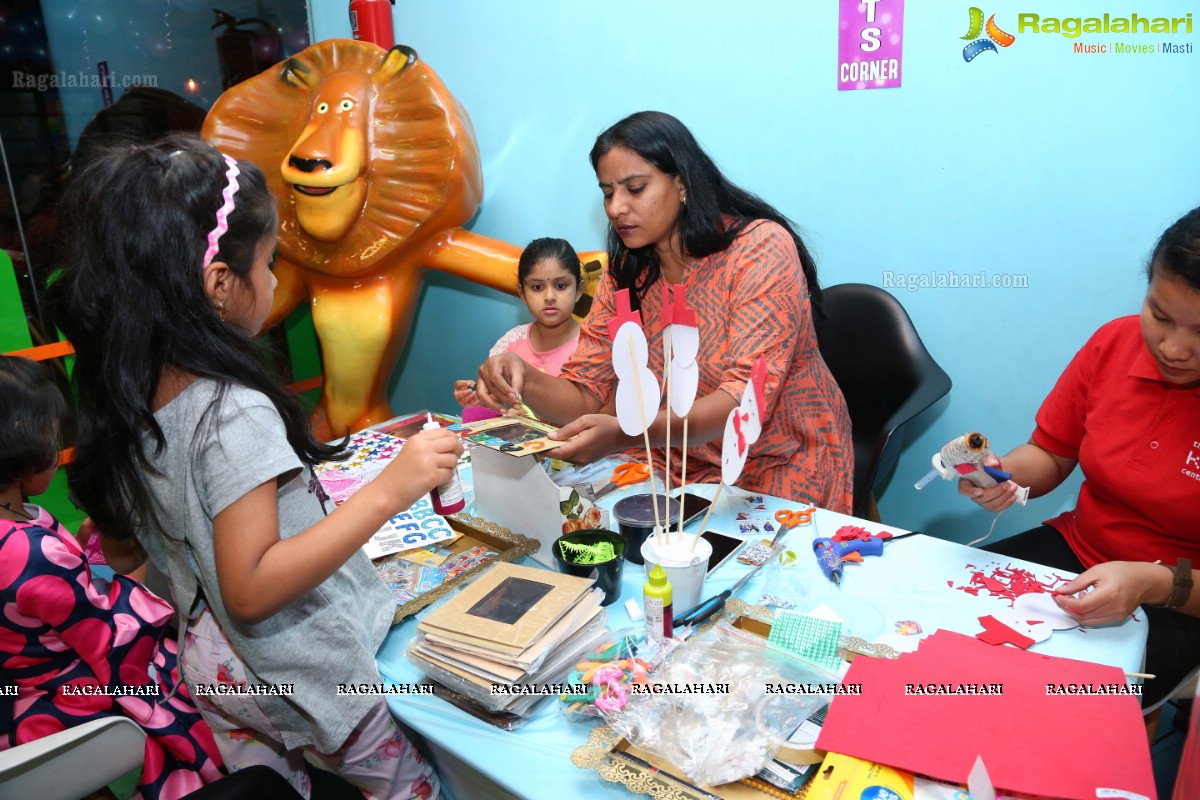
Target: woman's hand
593	436
997	498
464	393
427	460
501	379
1117	588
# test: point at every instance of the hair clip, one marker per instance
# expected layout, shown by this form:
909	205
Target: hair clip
223	212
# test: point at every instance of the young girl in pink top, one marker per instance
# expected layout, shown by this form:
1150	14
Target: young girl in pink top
550	282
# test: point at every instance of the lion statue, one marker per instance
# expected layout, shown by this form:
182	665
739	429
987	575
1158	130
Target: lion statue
375	167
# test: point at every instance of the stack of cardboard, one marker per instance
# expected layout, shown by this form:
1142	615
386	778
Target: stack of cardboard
512	637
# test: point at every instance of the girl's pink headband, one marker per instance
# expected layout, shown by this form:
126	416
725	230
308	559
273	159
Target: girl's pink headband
214	236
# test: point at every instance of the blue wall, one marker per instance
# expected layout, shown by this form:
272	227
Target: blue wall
1033	161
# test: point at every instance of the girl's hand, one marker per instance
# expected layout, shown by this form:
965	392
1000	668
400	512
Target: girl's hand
1117	588
464	393
501	379
427	460
997	498
593	436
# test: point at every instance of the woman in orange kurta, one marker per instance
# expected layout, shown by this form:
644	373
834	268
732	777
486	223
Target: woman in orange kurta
674	217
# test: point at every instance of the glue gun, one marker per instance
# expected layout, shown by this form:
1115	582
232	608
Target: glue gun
962	457
831	553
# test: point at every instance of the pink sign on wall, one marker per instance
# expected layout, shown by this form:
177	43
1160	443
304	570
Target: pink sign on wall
870	43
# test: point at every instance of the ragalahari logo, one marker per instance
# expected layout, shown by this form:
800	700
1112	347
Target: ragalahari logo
980	44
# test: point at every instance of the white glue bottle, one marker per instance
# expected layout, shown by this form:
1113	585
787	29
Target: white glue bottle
447	498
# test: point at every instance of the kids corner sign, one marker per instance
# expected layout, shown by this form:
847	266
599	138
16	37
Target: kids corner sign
870	43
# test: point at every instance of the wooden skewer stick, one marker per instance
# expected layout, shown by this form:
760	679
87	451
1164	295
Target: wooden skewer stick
683	480
1143	675
667	456
704	522
637	387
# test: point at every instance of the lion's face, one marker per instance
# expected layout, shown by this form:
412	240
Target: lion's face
327	166
367	152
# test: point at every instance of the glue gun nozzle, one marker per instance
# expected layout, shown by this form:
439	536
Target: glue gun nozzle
929	476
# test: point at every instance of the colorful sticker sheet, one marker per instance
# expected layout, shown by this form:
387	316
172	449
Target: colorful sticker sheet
370	452
409	574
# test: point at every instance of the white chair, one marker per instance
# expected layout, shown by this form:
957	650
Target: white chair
73	763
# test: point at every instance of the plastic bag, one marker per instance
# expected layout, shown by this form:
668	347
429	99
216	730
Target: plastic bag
610	671
785	583
704	711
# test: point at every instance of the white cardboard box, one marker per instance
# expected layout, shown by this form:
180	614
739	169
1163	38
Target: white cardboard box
517	493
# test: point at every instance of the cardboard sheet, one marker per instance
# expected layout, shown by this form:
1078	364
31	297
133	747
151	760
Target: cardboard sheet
936	710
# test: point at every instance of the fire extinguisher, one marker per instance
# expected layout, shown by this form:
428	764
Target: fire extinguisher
371	21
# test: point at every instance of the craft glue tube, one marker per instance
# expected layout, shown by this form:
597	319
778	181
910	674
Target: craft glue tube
447	498
656	600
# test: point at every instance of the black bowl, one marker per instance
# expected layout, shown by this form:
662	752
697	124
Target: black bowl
635	520
607	575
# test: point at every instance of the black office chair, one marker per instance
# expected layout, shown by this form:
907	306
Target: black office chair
884	371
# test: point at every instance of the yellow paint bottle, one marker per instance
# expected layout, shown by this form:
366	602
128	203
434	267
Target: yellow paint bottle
656	602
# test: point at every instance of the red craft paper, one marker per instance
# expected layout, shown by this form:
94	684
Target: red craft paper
1052	745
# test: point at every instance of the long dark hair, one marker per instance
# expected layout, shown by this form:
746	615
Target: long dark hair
131	300
31	409
547	247
1178	250
666	143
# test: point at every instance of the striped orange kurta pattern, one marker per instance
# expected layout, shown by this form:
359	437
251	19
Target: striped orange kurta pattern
751	300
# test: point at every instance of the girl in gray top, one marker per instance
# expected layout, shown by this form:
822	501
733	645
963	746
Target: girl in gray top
190	454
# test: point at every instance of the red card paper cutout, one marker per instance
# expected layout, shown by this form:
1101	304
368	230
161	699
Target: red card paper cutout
1055	745
996	632
677	311
1010	582
623	314
758	379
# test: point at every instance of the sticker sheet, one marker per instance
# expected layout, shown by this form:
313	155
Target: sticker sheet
370	452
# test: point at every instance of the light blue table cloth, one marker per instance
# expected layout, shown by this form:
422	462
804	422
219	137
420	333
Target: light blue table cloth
910	582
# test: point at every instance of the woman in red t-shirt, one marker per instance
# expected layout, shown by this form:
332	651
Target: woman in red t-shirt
1127	412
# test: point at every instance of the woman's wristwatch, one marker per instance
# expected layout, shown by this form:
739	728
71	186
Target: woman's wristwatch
1181	589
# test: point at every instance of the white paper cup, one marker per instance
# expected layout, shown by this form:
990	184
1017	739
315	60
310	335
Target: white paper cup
685	569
